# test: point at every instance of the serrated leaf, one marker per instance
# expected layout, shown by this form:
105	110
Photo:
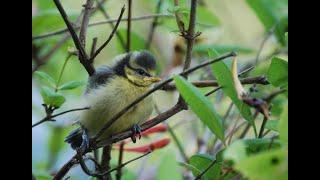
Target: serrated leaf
254	146
266	165
45	77
202	162
224	78
50	97
272	125
278	72
71	85
201	106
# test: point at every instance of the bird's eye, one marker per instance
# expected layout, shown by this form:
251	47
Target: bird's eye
141	72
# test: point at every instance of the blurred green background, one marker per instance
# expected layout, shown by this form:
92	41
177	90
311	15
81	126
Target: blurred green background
225	25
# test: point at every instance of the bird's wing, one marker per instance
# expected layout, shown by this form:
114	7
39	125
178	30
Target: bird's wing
101	76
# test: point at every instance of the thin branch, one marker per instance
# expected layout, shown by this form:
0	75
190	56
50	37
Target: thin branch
265	119
49	117
119	171
105	161
139	18
85	22
153	25
110	36
83	57
179	18
105	14
93	47
209	83
65	168
206	170
270	32
129	26
157	87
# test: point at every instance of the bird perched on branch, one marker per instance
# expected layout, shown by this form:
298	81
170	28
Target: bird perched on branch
111	89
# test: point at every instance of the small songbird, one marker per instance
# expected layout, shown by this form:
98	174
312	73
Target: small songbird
109	90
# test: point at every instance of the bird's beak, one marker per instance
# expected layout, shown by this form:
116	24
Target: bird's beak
152	79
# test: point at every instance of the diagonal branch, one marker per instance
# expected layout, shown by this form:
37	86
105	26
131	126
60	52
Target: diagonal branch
110	36
83	57
85	22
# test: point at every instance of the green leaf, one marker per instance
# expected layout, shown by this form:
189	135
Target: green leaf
137	42
71	85
277	73
42	175
254	146
190	167
264	166
45	77
205	16
224	78
50	97
202	162
201	106
221	48
286	36
283	125
272	125
169	168
236	151
271	13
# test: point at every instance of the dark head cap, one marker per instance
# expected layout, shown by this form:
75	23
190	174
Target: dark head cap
144	59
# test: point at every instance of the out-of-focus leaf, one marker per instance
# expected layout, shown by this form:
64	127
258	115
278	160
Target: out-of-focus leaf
190	167
45	77
71	85
272	125
271	164
128	175
169	168
283	125
202	162
205	16
278	72
236	151
137	42
224	78
270	16
203	48
42	175
201	106
254	146
50	97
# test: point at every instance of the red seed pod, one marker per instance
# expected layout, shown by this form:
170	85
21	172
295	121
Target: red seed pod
156	129
149	147
159	144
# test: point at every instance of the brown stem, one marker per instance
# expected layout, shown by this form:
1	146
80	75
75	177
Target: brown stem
85	22
153	25
93	47
110	36
129	26
105	161
119	170
83	57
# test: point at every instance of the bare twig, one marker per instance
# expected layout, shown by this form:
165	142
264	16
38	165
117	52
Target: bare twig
179	18
105	161
65	168
105	14
153	25
119	171
93	47
265	119
139	18
157	87
110	36
210	83
49	117
83	57
129	26
85	22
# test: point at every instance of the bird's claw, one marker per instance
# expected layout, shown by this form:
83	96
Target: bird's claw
136	130
85	143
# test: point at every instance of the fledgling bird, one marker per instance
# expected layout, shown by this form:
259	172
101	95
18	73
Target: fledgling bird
111	89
